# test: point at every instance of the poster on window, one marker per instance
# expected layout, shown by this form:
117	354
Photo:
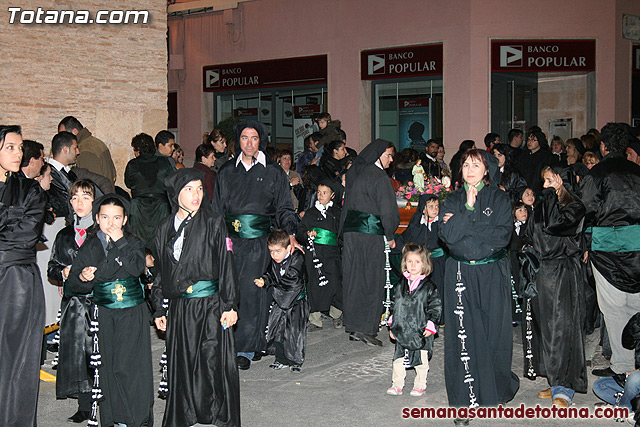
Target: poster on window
414	128
302	126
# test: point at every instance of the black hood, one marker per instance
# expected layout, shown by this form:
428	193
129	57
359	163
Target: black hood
175	182
542	139
492	161
261	128
569	179
96	204
368	156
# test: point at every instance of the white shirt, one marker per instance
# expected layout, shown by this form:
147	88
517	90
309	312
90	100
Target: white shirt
260	158
59	166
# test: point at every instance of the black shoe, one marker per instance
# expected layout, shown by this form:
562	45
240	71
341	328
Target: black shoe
257	357
608	372
461	422
243	363
371	340
79	417
355	336
52	348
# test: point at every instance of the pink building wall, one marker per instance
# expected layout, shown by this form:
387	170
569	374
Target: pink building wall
341	29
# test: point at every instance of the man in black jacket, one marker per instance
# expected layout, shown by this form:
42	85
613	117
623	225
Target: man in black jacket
64	151
610	195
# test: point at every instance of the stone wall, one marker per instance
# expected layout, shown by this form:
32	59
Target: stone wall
112	77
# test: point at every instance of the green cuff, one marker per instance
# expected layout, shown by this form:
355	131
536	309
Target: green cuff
471	208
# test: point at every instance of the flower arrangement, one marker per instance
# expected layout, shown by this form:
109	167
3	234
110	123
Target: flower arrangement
411	192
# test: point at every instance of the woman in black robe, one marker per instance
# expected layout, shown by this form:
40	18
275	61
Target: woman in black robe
194	254
110	265
145	176
508	179
22	205
370	215
477	228
558	310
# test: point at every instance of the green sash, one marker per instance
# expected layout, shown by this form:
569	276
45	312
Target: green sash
325	237
302	294
362	222
625	238
247	226
488	260
437	253
123	293
200	289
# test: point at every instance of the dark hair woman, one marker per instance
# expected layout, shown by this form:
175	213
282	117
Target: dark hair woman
332	160
219	142
556	347
22	306
477	225
508	179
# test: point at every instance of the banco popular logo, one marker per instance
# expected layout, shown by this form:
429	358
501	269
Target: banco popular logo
511	56
212	78
376	64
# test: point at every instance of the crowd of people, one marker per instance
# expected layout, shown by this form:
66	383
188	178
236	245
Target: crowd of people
240	256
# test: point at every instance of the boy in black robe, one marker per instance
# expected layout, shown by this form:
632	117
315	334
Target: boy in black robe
197	274
109	263
286	331
325	276
73	376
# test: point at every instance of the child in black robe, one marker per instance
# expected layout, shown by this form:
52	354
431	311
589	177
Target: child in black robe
322	257
286	330
73	375
416	313
109	263
423	230
196	272
520	214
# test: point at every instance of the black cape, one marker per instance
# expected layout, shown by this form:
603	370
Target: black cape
559	309
483	305
145	176
321	298
289	309
262	190
125	345
22	309
411	313
368	190
203	377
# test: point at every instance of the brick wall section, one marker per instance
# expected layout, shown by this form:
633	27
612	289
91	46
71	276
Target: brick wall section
113	78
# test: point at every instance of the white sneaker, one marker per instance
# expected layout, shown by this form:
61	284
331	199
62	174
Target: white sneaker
394	391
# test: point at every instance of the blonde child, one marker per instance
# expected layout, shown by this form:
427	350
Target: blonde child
416	313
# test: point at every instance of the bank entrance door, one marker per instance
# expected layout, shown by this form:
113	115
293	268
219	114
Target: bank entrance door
514	102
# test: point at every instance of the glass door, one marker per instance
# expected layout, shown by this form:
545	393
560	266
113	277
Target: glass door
514	102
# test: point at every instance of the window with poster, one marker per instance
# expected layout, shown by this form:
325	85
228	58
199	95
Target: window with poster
548	83
284	94
635	86
406	94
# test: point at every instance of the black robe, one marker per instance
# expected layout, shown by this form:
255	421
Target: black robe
485	309
321	298
59	191
72	375
363	257
411	313
290	309
559	309
203	377
145	175
530	167
514	184
263	191
22	304
126	376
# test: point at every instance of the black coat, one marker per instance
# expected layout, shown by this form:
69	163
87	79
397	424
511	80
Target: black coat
59	192
530	166
411	313
611	196
289	309
22	304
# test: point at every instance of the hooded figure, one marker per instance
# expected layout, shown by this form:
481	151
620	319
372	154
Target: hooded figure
370	214
477	292
196	273
531	163
252	194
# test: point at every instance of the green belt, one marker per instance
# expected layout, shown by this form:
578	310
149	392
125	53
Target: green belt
123	293
200	289
302	294
488	260
437	253
625	238
362	222
325	237
247	226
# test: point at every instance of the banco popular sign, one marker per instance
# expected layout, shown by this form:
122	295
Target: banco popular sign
543	55
409	61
